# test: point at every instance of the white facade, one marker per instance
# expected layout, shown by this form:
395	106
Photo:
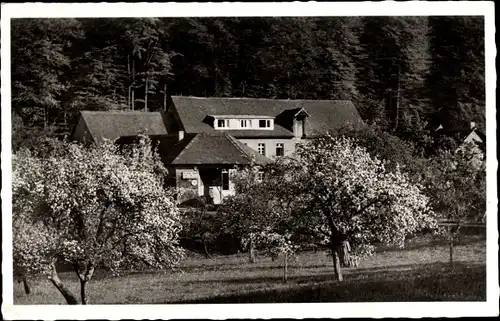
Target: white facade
271	145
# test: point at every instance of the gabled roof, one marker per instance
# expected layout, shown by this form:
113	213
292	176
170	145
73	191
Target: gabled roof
217	148
325	115
114	124
464	135
477	137
301	111
481	135
202	149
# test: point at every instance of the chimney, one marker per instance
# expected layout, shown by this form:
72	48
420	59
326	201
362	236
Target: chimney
181	135
472	125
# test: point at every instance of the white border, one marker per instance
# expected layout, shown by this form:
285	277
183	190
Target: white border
310	310
409	8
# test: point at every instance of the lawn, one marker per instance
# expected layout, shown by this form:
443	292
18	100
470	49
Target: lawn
420	272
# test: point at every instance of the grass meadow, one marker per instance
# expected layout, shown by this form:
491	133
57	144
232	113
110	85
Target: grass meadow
419	272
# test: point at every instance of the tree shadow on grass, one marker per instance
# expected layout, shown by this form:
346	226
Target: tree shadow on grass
432	267
271	279
243	266
424	282
351	273
432	242
227	267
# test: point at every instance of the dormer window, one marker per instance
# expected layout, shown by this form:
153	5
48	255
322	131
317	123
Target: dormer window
300	123
264	123
238	122
245	123
223	123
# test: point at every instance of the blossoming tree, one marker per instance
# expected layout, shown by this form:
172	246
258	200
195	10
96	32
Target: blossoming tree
250	212
33	245
255	215
100	206
457	182
339	195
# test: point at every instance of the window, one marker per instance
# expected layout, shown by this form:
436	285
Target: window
261	148
225	180
280	149
260	176
244	123
264	123
221	123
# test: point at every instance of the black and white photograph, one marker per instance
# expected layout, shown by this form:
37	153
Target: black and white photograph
169	157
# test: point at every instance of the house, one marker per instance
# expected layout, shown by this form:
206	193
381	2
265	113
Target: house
94	126
201	164
471	134
477	139
203	141
469	137
271	127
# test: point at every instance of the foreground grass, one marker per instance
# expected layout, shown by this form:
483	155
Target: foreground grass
420	272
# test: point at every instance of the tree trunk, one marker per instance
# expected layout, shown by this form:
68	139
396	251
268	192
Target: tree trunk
129	106
130	82
133	83
84	279
336	263
27	288
133	99
285	268
396	120
451	251
251	249
204	243
346	258
83	292
165	98
66	293
45	117
146	93
335	247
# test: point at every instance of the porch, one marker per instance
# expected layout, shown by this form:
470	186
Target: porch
211	181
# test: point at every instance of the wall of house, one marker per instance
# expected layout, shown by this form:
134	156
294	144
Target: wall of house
289	144
188	182
473	137
478	155
189	190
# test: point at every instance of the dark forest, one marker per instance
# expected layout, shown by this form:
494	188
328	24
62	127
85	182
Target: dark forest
407	75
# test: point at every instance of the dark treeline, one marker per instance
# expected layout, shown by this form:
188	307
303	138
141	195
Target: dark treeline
406	74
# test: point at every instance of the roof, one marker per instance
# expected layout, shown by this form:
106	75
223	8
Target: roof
477	137
474	135
114	124
301	111
217	148
481	135
203	149
325	115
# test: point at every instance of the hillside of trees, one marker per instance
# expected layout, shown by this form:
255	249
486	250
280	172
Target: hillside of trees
406	74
